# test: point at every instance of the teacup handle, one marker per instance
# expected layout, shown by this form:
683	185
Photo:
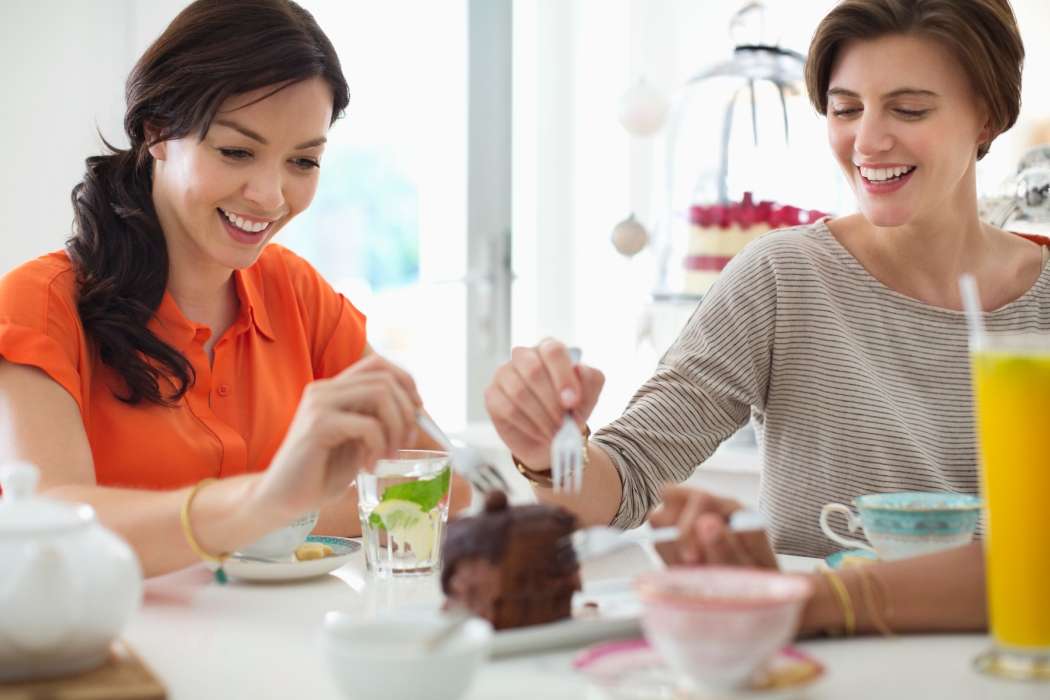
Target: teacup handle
852	523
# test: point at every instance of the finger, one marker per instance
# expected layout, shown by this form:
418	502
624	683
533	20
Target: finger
719	545
591	381
534	373
364	430
376	394
506	415
690	551
378	363
559	366
526	401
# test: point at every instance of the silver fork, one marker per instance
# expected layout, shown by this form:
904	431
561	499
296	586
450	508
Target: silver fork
567	449
467	461
591	542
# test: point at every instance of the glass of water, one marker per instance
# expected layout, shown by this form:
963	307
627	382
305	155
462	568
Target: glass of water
403	506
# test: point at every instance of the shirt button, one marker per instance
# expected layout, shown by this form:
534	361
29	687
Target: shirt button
224	390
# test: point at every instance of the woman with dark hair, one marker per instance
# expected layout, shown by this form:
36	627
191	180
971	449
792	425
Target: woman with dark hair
844	338
170	345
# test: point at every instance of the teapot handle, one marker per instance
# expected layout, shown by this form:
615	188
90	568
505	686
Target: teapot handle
41	609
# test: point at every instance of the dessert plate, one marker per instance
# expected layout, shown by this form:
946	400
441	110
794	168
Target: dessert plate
603	610
632	670
292	569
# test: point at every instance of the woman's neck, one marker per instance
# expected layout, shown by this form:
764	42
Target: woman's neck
924	259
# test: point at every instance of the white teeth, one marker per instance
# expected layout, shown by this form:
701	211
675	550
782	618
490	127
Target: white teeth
883	174
244	224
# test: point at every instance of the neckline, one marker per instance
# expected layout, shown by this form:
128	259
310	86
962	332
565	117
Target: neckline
822	228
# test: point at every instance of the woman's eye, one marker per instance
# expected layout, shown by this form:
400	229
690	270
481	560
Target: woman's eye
306	163
911	113
235	153
845	111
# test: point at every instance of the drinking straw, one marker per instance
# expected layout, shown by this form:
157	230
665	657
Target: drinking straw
971	300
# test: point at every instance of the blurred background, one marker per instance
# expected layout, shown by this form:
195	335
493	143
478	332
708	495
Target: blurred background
468	197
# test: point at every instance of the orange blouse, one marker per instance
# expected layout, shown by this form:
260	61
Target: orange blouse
292	328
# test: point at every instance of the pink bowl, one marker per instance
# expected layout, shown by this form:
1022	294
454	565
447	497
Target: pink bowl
717	625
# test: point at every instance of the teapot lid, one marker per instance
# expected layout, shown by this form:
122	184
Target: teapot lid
22	512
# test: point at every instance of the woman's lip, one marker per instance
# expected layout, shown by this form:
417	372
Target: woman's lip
249	218
876	166
240	235
887	187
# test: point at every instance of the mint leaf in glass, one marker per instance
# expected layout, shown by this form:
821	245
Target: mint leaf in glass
426	493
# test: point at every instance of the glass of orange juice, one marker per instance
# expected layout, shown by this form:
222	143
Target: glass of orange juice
1011	375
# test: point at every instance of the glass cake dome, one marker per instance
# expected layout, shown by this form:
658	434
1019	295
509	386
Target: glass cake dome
745	153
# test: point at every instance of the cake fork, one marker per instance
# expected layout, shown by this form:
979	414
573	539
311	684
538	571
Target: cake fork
597	541
467	461
567	449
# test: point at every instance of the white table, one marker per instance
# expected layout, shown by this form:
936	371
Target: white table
204	640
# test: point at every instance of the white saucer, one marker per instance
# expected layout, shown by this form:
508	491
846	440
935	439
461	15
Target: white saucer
632	670
292	569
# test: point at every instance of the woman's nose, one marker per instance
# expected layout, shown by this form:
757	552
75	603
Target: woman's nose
265	189
873	136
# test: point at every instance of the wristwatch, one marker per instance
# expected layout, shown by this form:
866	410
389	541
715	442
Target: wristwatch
543	478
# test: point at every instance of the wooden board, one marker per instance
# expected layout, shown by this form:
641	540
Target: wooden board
123	677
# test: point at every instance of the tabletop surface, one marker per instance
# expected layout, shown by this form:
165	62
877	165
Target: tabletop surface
204	640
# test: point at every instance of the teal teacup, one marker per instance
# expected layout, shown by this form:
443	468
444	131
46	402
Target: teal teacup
901	525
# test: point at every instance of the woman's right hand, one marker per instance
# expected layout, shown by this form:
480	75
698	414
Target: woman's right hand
528	397
342	425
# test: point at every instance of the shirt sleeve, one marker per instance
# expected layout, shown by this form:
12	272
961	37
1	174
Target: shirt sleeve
39	325
703	388
336	328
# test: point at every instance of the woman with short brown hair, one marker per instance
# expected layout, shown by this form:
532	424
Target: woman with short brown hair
845	339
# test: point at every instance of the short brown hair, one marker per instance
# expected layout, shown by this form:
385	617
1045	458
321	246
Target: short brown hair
982	34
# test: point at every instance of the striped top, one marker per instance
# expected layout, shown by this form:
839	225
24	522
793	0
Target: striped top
854	388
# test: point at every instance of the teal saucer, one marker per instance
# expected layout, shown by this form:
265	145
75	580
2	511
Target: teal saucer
835	560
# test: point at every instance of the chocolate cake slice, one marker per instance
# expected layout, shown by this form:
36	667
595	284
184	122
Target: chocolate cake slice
512	565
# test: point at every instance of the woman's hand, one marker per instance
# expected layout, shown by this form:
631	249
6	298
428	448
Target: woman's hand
528	397
703	520
342	425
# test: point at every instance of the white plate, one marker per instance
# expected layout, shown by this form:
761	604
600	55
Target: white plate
616	616
294	570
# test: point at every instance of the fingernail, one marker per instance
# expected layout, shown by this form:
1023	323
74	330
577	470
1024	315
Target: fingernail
568	398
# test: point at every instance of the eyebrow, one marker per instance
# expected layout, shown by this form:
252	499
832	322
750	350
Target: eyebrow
899	92
256	137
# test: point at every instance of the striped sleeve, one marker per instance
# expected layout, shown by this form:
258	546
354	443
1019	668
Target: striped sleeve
702	391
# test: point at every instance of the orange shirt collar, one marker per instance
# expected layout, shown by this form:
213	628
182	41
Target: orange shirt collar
172	325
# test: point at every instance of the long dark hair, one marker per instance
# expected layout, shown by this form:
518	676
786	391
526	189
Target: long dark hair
212	50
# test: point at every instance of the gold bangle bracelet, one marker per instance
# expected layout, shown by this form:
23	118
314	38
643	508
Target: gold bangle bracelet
849	617
212	561
869	588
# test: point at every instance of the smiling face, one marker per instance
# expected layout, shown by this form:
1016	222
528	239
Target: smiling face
904	125
221	199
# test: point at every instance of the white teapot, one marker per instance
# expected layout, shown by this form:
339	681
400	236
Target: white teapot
67	585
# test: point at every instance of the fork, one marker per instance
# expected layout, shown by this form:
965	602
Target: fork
598	541
567	449
591	542
466	460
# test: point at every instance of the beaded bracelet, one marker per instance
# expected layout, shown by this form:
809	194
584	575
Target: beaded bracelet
213	562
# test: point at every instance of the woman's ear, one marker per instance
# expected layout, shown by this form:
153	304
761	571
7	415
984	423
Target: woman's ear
157	149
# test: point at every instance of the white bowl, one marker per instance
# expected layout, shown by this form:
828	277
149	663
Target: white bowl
281	544
385	659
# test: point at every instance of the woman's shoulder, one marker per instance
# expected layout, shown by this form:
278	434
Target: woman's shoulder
806	243
37	286
279	263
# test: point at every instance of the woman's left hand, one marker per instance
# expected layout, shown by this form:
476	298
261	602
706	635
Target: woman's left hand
703	519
